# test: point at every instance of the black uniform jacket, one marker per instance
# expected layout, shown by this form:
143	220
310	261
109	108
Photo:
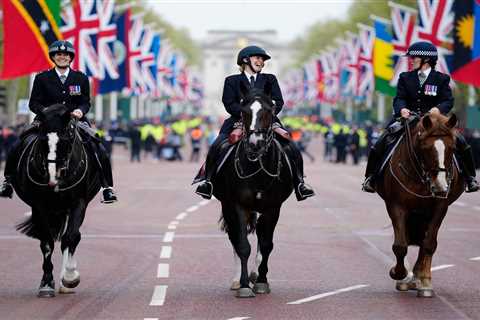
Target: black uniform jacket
48	90
435	92
231	96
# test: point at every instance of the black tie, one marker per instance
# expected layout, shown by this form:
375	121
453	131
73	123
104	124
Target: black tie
252	81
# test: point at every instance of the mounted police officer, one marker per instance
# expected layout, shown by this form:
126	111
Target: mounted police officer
62	85
251	61
421	90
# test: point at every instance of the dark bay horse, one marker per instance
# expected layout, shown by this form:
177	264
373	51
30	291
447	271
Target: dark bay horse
421	180
57	178
255	178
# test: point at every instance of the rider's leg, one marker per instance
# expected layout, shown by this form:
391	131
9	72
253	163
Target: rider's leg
467	163
205	189
105	168
6	190
374	158
302	190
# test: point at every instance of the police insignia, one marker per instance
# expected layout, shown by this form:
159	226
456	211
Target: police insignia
75	90
62	47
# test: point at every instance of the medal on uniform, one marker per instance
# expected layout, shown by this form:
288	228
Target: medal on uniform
434	90
75	90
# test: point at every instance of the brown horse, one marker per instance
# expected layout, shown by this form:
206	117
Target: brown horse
421	180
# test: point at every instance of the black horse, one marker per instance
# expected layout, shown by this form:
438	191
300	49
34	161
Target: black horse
57	178
255	179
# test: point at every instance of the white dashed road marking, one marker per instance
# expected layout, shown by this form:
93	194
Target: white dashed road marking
181	216
192	208
159	294
443	266
166	252
163	270
239	318
477	208
475	259
168	236
327	294
460	204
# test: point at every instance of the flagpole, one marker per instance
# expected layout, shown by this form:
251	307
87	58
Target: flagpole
113	106
133	107
381	107
98	108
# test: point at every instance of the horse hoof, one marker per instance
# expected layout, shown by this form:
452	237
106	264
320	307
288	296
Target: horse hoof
71	283
261	288
46	292
253	277
245	293
399	276
65	290
401	286
425	293
235	285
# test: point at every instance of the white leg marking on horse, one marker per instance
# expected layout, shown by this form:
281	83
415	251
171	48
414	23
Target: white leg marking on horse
163	270
442	175
255	107
168	236
475	259
327	294
258	259
69	267
443	266
52	155
238	266
166	252
158	298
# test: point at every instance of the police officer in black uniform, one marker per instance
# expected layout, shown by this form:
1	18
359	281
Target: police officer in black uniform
421	90
251	61
62	85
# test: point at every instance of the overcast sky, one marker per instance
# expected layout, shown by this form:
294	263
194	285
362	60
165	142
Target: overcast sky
290	18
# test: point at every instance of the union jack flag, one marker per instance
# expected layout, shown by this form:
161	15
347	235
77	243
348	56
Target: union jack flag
350	49
136	81
80	25
106	37
366	79
436	25
331	65
404	34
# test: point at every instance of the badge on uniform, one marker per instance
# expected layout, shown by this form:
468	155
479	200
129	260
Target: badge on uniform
430	90
75	90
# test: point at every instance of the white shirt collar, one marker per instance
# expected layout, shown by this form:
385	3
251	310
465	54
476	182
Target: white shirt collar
59	74
426	71
248	75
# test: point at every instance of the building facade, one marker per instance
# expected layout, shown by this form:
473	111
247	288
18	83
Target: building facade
220	50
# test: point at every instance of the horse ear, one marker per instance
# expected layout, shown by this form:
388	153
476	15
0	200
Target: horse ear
452	121
427	122
243	90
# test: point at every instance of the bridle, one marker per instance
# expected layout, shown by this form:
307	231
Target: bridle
423	174
256	155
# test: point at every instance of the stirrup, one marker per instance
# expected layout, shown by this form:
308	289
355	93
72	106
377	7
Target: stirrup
367	185
109	196
206	194
472	186
307	191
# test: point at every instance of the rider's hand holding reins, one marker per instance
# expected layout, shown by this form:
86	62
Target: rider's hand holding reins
77	113
405	113
434	110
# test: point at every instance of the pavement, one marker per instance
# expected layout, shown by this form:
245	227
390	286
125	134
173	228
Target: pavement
159	254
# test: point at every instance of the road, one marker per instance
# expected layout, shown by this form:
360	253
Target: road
159	254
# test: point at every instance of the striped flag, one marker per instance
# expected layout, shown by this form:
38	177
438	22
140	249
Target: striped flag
383	56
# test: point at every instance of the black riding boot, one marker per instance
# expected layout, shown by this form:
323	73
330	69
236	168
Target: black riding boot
302	190
6	190
468	167
372	166
205	189
105	168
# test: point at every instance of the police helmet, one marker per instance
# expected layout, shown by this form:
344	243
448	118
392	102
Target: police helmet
423	49
251	51
61	46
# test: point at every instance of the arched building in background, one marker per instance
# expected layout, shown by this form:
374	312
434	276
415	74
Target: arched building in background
220	50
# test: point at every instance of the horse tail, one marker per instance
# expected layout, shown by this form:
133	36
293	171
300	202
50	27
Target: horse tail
417	222
36	227
251	222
